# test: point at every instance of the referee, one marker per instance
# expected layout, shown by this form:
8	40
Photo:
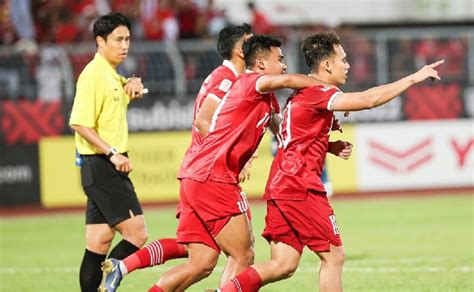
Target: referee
99	119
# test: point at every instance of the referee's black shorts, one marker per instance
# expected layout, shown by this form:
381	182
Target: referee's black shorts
110	193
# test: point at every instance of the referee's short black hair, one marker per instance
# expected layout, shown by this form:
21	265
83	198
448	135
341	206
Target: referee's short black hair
228	38
258	46
106	24
319	47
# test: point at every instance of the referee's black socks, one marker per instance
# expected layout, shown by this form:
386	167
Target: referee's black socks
90	273
122	250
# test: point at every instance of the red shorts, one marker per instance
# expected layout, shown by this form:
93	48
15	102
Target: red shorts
205	208
310	223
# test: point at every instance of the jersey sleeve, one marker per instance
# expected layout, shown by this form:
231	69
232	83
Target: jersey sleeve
219	85
321	97
252	87
87	103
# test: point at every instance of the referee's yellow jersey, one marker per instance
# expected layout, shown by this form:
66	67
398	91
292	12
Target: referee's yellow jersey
101	103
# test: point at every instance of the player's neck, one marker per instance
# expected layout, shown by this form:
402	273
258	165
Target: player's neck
102	53
324	80
239	64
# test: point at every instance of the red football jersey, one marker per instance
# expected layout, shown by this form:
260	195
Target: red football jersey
237	127
302	144
215	86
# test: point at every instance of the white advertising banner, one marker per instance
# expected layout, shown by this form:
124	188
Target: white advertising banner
415	155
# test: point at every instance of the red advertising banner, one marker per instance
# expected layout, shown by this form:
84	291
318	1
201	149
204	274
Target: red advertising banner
25	122
434	102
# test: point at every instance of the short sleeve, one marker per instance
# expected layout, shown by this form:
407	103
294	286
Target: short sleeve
219	89
321	97
256	84
219	82
252	86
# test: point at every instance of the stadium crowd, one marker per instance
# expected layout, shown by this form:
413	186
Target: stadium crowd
69	21
35	31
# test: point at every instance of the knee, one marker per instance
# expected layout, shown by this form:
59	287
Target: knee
285	269
246	258
206	270
202	269
335	258
99	242
339	257
142	239
138	235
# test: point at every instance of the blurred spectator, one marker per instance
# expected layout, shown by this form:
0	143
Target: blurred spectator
362	61
65	21
260	23
7	29
401	58
100	7
16	66
214	20
361	57
50	17
17	74
66	29
54	75
131	9
188	14
158	19
21	16
453	51
85	13
70	21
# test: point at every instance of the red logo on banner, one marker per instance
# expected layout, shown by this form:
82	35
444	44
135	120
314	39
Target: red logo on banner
462	150
398	161
433	102
26	122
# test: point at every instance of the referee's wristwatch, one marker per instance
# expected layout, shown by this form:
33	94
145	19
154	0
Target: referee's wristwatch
112	152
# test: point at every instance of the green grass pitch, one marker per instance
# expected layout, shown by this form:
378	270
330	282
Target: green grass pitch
392	244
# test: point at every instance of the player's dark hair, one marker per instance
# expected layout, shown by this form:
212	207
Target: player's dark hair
106	24
258	46
229	36
319	47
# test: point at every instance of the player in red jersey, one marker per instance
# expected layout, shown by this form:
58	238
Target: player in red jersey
298	212
219	82
213	89
213	213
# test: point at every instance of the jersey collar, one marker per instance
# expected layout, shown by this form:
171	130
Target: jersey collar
103	63
231	66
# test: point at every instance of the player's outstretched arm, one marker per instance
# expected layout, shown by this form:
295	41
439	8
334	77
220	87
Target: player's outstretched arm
377	96
272	82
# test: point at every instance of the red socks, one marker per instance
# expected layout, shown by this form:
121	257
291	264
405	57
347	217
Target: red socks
247	281
155	253
155	289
